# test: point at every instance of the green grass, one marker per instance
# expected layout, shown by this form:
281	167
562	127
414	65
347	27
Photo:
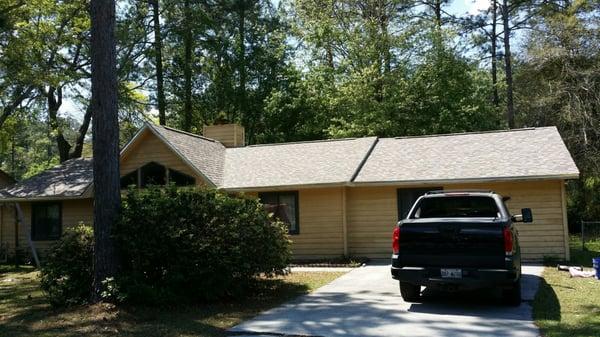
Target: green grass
25	312
569	307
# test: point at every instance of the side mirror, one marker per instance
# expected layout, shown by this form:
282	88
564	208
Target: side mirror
525	216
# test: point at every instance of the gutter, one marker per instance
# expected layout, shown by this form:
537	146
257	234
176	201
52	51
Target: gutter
464	180
52	198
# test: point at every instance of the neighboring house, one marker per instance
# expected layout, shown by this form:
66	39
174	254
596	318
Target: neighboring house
339	197
5	180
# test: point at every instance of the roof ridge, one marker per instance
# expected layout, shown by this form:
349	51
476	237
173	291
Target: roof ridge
364	160
185	133
472	133
309	141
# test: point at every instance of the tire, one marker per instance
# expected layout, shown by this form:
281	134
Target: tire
410	292
512	295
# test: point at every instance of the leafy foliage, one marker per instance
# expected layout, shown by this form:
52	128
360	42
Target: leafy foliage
294	70
66	275
195	244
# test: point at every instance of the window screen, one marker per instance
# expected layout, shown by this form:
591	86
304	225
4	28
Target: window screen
46	221
284	206
129	179
153	174
180	179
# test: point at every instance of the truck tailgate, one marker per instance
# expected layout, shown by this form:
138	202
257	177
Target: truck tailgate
452	244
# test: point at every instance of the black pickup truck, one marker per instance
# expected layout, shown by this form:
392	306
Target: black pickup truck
458	240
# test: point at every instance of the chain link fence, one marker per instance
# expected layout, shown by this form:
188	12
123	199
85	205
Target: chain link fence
590	231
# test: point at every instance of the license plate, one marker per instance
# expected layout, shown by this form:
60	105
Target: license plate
451	273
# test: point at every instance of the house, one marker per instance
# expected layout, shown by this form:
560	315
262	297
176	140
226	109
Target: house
339	197
5	180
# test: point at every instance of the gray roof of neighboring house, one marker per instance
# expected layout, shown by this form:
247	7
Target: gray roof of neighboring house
521	153
290	164
70	179
205	154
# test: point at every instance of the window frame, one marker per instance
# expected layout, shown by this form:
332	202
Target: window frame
36	236
296	195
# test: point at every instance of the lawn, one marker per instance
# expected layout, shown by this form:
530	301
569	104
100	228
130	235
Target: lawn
569	307
25	312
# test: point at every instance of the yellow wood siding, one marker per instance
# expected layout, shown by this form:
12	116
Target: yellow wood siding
149	148
321	225
372	215
73	213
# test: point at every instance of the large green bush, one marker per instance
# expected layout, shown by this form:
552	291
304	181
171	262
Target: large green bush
195	244
67	270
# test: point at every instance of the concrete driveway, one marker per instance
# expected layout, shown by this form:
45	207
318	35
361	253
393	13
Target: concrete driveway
366	302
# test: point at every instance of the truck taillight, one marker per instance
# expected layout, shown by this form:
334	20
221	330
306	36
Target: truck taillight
508	241
396	240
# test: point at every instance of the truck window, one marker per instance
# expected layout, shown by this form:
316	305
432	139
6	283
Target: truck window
456	207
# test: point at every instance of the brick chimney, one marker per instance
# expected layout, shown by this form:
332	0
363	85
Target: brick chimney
230	135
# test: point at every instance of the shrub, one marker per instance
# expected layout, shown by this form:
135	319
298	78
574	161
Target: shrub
195	244
67	269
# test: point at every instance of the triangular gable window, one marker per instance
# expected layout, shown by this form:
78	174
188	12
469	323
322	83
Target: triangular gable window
156	174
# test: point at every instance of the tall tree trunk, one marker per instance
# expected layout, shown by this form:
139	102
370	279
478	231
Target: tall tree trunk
385	45
242	57
105	141
83	129
160	93
54	99
510	112
329	47
496	98
187	68
437	9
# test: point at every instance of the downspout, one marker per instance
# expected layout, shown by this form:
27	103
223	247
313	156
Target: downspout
5	257
20	220
565	219
16	237
344	221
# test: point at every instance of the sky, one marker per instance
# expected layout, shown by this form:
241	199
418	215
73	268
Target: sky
456	7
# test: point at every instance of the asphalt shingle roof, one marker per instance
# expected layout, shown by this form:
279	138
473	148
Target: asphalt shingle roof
515	154
205	154
522	153
67	180
289	164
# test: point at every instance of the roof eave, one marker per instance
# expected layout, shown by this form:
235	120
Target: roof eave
568	176
283	187
49	198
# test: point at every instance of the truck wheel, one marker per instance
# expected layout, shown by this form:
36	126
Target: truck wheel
512	295
410	292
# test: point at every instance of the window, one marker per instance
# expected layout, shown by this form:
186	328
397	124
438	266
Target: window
457	207
180	179
156	174
153	174
46	221
129	179
408	196
284	206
